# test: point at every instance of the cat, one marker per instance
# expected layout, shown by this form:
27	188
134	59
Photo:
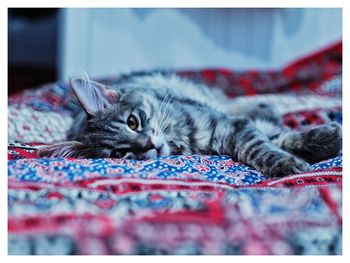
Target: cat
146	116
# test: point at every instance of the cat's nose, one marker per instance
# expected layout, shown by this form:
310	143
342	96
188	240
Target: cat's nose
159	150
157	142
148	145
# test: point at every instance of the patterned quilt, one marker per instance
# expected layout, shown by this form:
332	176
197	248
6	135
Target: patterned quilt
177	204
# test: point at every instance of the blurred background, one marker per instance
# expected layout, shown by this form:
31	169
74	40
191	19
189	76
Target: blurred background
46	45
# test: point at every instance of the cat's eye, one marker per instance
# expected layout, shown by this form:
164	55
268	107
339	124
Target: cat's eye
132	122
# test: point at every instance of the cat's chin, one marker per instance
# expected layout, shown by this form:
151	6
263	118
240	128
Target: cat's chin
164	150
154	153
150	154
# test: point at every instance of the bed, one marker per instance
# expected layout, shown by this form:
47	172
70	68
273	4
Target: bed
176	205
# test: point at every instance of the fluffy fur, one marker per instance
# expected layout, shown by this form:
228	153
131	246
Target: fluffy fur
176	116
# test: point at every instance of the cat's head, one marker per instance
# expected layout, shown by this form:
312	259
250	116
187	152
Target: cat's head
122	123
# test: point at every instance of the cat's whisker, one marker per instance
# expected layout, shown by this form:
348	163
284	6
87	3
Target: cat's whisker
165	115
160	111
160	108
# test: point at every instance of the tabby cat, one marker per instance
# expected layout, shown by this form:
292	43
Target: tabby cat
149	115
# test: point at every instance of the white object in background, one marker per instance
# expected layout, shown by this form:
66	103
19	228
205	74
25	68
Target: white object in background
106	42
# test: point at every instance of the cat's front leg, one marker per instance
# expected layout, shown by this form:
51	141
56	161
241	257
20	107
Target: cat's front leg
246	144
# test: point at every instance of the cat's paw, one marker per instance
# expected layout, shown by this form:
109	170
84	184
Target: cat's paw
286	166
323	142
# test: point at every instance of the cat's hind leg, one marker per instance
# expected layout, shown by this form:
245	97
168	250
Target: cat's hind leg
247	144
317	144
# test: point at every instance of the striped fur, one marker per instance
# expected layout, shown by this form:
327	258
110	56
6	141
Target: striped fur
177	116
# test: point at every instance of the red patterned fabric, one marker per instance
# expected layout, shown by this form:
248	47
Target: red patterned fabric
177	204
304	75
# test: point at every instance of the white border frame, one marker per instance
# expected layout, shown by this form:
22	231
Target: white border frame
160	3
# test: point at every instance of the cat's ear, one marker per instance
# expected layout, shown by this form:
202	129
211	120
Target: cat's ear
65	149
93	96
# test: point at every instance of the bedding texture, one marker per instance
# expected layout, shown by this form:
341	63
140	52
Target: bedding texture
177	204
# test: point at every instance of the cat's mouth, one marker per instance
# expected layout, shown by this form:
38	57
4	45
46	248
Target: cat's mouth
154	153
151	154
